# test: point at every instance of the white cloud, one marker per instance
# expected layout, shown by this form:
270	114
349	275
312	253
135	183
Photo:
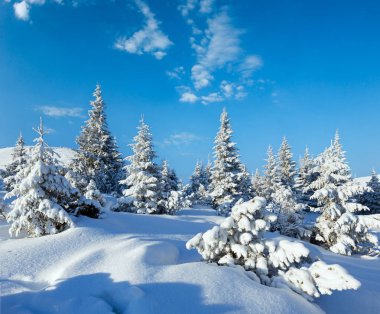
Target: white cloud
150	39
212	97
189	97
22	10
220	57
250	64
183	138
201	76
176	73
52	111
187	7
223	43
206	6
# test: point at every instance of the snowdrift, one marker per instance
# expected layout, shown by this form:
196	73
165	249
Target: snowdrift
127	263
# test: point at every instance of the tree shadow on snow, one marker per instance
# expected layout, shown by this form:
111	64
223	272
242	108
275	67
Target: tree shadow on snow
98	293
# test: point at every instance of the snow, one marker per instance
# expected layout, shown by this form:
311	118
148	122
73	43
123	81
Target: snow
364	180
128	263
65	155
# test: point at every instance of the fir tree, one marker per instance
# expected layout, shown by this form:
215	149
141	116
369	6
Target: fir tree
207	181
18	161
271	175
257	184
196	178
239	240
371	198
286	166
3	209
97	156
43	193
246	185
304	178
143	179
228	173
289	214
337	228
93	194
171	199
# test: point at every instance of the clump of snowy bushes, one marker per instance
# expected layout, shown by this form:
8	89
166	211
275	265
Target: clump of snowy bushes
289	214
239	241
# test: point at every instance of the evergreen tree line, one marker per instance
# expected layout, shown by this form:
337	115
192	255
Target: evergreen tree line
45	192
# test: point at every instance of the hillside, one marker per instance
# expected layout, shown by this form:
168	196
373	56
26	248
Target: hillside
64	155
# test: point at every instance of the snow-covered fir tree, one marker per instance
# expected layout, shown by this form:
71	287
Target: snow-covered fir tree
143	179
171	196
43	195
170	181
239	240
304	178
246	185
92	193
257	184
286	165
197	190
289	213
371	198
196	178
207	175
228	173
18	161
97	156
338	228
271	175
3	209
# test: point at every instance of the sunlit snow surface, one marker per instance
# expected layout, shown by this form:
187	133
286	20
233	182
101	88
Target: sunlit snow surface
128	263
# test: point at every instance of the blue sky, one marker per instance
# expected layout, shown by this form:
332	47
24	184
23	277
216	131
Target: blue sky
297	68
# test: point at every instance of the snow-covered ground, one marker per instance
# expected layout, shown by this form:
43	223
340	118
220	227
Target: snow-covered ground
128	263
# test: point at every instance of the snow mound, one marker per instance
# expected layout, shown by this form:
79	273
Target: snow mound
127	263
162	253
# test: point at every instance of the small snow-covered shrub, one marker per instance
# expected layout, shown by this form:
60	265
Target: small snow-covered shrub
18	161
124	204
289	213
238	240
371	197
3	209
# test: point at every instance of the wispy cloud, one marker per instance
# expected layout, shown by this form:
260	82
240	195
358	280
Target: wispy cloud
183	138
219	56
212	97
150	39
189	97
176	73
205	6
53	111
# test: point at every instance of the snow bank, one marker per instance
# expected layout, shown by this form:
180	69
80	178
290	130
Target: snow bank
129	263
